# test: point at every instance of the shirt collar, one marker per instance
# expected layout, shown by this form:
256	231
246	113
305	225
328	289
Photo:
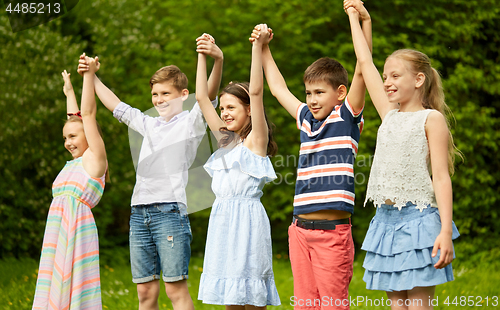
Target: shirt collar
174	118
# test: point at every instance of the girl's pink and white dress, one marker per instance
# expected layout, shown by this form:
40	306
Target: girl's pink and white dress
68	277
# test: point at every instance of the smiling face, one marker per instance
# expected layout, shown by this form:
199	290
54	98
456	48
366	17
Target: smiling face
321	99
401	85
74	139
234	113
167	99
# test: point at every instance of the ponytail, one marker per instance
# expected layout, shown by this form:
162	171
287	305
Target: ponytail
434	99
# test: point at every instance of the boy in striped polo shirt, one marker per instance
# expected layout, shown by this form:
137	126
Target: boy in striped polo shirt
320	239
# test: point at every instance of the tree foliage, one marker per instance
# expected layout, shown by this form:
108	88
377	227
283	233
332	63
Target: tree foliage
135	38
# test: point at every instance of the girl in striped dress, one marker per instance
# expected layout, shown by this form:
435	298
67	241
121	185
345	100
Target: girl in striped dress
68	276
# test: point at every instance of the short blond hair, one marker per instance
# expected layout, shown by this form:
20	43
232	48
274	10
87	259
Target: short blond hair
171	74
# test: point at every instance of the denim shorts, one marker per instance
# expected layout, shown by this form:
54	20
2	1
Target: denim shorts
160	240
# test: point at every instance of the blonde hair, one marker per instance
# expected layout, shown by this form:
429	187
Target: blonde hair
431	92
77	119
170	74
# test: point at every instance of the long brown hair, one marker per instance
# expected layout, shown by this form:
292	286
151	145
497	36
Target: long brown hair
240	91
76	119
432	93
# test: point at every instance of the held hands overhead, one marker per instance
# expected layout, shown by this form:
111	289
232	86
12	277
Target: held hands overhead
259	31
205	44
93	64
88	64
358	6
261	34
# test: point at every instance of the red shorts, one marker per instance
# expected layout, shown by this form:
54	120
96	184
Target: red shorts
321	266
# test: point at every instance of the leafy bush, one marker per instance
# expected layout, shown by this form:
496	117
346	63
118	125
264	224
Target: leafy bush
134	39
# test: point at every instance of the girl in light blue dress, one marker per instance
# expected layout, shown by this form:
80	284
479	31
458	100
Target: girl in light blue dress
237	270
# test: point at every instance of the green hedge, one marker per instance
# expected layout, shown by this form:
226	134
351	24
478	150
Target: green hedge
134	38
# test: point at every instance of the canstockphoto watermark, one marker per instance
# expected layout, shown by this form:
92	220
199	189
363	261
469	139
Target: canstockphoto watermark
327	301
282	163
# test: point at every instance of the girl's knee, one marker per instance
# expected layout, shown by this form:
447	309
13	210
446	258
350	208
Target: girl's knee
398	299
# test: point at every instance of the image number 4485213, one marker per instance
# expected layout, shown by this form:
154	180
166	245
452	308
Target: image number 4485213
33	8
23	15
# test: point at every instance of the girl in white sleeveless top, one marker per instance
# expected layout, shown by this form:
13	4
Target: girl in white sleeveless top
409	242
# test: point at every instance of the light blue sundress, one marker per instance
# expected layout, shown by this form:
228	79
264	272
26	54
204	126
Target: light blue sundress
237	269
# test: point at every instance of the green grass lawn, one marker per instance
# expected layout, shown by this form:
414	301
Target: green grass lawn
18	279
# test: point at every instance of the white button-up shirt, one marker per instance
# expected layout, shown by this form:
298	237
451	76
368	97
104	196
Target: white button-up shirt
168	150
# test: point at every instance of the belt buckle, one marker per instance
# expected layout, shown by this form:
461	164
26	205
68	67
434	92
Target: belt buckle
306	224
300	222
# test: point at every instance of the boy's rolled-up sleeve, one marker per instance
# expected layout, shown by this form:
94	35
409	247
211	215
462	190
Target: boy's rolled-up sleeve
132	117
197	125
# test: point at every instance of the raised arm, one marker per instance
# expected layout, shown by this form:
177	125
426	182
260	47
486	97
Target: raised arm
215	78
371	76
259	136
94	159
202	94
71	104
356	95
107	97
275	80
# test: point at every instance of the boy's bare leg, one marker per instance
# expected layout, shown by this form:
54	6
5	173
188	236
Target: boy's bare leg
148	295
179	295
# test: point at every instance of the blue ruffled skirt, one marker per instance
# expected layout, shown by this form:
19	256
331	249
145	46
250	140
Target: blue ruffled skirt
399	248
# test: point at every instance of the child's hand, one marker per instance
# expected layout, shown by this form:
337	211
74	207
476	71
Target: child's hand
358	6
82	65
68	87
256	34
444	243
205	44
93	64
262	34
351	11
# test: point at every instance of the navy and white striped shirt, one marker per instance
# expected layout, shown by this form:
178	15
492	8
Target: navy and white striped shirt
325	176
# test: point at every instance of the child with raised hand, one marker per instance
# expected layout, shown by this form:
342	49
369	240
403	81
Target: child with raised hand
159	218
237	270
68	276
330	123
409	241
